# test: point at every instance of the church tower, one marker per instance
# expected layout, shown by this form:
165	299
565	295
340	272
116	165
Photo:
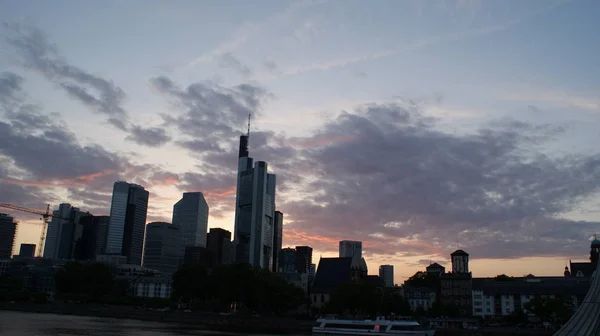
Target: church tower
460	261
595	250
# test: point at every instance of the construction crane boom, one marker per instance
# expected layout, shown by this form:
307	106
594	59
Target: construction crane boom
46	215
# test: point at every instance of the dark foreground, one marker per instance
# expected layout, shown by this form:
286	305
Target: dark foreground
29	319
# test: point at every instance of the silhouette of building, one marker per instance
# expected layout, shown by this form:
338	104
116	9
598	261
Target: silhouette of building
255	210
127	224
456	286
63	232
287	260
435	268
190	213
303	259
277	238
331	273
585	269
350	248
93	237
386	273
27	251
219	245
162	249
8	231
198	255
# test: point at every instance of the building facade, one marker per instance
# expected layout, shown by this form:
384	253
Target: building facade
456	286
350	248
287	260
62	232
277	239
254	211
303	259
190	213
386	273
127	224
162	249
8	231
219	245
93	237
27	250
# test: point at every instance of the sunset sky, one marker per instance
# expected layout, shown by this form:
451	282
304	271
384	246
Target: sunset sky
414	126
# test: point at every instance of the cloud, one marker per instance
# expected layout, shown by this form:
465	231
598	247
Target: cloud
408	186
227	60
101	95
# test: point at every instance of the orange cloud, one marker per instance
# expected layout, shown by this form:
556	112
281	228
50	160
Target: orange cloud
297	237
78	181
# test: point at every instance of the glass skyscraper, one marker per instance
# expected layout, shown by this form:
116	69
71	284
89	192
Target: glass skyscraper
127	222
190	213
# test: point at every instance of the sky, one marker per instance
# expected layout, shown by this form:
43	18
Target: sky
417	127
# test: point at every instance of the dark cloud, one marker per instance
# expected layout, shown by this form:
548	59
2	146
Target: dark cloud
99	94
388	170
151	137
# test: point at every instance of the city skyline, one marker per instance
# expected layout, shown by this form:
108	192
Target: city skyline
470	126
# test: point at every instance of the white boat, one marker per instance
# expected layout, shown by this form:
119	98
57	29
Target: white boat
369	327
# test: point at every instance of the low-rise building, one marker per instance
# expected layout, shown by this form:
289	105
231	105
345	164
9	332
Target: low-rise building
420	297
153	286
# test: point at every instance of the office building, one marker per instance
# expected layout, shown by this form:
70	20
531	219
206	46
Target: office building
386	273
62	232
254	210
198	255
190	214
27	251
350	248
127	222
219	245
303	259
277	238
286	262
162	250
93	237
8	231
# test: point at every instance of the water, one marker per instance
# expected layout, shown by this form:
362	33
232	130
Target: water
34	324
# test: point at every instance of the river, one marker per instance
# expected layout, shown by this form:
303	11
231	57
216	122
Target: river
35	324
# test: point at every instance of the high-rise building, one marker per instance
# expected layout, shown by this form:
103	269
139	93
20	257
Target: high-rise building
254	210
277	238
386	273
162	250
350	248
27	250
286	262
219	245
62	232
8	231
93	237
127	222
303	259
190	213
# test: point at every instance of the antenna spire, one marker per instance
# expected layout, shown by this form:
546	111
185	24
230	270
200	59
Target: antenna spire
249	116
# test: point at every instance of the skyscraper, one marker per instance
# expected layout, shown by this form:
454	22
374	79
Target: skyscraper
93	237
219	245
254	211
190	213
127	222
27	250
162	250
386	273
8	230
350	248
277	238
61	232
287	260
303	259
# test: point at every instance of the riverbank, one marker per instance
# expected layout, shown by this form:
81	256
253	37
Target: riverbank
208	321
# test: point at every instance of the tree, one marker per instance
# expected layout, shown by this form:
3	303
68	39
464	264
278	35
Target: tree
356	299
190	283
554	310
90	280
423	279
503	278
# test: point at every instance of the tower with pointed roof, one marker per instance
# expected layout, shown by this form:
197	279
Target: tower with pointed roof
460	261
595	250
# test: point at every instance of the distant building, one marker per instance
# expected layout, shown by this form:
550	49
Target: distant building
199	255
287	260
303	259
386	273
254	210
277	238
296	279
162	250
153	286
8	231
435	268
350	248
127	224
27	250
93	237
312	271
62	232
420	297
456	286
585	269
190	213
331	273
219	245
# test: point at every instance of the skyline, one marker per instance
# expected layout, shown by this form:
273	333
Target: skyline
415	128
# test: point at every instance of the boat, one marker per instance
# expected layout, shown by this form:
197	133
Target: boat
328	326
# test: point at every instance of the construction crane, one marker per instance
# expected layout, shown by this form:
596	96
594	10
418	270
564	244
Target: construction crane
46	215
